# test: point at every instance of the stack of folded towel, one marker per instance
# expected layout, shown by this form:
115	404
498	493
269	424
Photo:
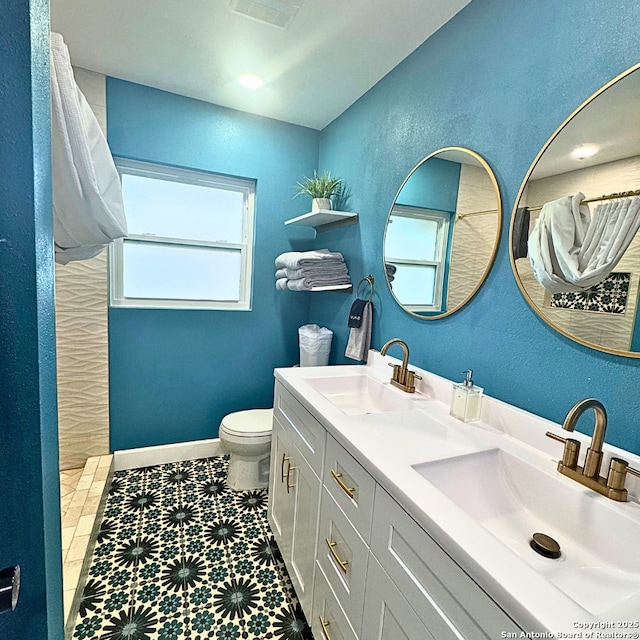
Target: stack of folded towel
305	270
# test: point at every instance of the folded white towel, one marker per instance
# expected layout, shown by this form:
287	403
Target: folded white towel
298	259
321	281
297	285
281	284
360	337
312	271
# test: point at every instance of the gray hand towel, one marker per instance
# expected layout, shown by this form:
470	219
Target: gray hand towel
520	234
360	337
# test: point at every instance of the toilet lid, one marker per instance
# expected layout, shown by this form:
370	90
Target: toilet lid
253	422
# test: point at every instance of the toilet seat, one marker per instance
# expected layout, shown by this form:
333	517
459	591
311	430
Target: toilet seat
252	423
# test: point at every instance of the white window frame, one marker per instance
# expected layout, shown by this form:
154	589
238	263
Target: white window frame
442	219
175	174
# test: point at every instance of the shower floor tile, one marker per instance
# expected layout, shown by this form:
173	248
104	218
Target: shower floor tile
179	555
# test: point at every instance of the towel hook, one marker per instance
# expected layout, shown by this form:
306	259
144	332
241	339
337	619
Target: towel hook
369	280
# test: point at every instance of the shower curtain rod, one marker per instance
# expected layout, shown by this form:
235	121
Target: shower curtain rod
611	196
476	213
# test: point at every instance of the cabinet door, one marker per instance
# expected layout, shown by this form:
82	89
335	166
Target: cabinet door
294	506
304	488
281	505
387	615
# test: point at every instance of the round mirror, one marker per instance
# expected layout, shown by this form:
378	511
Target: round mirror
442	233
575	250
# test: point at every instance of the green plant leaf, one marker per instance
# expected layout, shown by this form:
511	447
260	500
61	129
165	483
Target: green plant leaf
322	185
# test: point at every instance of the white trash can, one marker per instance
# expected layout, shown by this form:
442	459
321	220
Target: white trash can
315	345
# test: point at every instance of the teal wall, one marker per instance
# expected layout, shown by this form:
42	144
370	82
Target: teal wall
30	497
175	373
498	79
433	185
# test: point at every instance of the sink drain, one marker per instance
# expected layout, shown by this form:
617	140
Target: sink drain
545	545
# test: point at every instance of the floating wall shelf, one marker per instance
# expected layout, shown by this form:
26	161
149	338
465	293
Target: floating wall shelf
325	219
336	287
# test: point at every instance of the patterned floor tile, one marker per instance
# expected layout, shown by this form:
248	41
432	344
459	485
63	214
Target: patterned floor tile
180	556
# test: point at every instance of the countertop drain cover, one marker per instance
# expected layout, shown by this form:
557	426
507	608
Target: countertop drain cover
545	545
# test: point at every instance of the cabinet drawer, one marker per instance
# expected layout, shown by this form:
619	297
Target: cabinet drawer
342	556
303	430
451	607
328	621
351	487
387	615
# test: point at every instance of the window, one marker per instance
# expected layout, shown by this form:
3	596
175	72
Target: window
190	240
416	244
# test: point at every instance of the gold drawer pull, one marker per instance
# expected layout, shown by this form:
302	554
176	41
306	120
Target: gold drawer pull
323	627
284	459
350	491
289	470
342	563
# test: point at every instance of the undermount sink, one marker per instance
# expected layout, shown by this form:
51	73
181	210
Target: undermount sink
599	567
361	394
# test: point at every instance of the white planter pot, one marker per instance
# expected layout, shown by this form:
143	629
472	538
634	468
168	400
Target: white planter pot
320	203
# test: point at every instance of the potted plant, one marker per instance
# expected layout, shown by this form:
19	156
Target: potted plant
321	188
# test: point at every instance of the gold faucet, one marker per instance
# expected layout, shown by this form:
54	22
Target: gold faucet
613	485
402	377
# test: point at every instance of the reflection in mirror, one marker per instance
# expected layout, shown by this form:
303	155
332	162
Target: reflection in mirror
575	250
442	233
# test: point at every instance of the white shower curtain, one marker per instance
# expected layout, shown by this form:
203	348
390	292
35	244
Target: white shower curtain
88	212
570	250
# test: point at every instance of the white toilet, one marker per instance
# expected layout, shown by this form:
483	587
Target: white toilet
246	436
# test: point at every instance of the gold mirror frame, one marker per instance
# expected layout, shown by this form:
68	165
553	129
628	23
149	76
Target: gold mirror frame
527	297
485	165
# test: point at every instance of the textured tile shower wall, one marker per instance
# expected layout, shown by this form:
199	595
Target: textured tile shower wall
82	344
474	237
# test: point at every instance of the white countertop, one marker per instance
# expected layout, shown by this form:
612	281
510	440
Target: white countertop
387	444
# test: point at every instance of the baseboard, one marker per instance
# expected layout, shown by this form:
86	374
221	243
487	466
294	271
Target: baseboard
163	454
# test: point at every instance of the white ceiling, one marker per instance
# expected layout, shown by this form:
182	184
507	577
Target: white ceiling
611	122
331	53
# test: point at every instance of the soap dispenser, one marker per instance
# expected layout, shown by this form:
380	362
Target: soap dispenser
466	399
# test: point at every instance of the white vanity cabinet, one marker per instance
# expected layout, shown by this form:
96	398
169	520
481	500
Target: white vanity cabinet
294	490
387	614
361	566
447	601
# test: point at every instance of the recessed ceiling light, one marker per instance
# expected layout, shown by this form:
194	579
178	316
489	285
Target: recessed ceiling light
250	81
584	151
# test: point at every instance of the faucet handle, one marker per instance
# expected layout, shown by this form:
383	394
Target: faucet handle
396	372
618	469
617	477
571	450
410	381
